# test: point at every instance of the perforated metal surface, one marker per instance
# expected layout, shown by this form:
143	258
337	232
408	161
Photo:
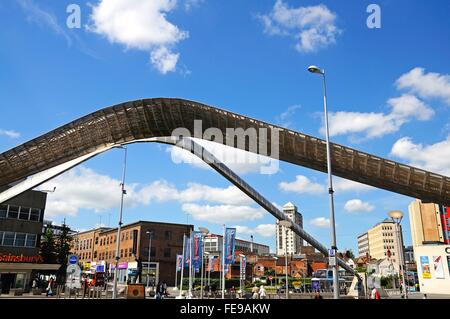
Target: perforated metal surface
158	117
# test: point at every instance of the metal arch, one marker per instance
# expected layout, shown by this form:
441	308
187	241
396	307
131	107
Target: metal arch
141	119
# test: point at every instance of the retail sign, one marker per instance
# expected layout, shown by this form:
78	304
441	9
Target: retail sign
425	264
72	259
20	259
122	265
332	261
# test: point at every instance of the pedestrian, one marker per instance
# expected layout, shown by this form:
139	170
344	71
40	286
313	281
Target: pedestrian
262	292
158	291
164	289
232	292
49	287
425	296
255	292
318	295
374	294
34	284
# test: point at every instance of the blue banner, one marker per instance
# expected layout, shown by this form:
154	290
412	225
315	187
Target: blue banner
230	239
179	262
187	251
197	250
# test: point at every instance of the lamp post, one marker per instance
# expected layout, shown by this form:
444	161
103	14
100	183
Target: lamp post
397	217
123	192
241	256
314	69
204	231
150	234
286	224
275	269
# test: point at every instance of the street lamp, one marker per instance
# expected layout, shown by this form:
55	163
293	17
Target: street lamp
275	269
123	192
204	231
316	70
286	224
150	235
397	217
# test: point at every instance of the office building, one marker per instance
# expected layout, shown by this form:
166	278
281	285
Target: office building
214	242
292	241
363	244
21	220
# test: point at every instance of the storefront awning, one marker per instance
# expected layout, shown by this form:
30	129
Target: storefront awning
15	267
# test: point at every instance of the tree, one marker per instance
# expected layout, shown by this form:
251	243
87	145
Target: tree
63	244
349	254
48	248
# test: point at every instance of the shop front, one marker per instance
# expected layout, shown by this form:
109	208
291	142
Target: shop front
18	272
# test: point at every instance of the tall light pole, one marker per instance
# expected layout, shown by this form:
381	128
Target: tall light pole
286	224
314	69
204	231
150	234
123	192
241	256
275	269
397	217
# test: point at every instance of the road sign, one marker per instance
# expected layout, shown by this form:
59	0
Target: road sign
332	261
72	259
331	252
73	277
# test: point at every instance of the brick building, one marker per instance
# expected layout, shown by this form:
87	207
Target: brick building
96	249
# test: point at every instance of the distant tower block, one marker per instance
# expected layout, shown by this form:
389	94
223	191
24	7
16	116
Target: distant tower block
294	242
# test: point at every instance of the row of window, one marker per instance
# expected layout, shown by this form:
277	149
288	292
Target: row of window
386	227
388	235
17	239
124	253
20	212
388	241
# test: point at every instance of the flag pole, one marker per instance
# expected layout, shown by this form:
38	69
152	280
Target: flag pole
190	265
223	262
182	265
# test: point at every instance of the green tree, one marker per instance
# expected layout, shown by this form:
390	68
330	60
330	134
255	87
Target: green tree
63	244
48	247
349	254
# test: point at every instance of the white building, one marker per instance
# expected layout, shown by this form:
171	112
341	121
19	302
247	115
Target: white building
433	268
294	242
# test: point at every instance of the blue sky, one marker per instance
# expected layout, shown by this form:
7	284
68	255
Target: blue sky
388	91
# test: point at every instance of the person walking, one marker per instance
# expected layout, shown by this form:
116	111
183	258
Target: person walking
262	292
158	290
318	295
255	292
374	294
49	287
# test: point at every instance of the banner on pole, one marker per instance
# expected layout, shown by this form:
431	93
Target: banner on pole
211	264
179	262
197	241
230	239
187	251
243	265
438	267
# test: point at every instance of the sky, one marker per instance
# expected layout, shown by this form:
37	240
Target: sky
388	85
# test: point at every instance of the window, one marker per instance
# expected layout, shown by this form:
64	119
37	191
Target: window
95	254
96	240
3	211
152	252
13	212
24	213
130	253
8	239
126	236
20	240
168	235
35	214
1	238
121	253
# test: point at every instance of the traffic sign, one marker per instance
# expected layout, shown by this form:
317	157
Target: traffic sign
331	252
332	261
72	259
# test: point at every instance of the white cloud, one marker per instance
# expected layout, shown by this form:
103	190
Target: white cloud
285	118
313	27
219	214
239	161
426	85
83	188
403	109
320	222
189	4
302	185
41	17
142	25
164	60
346	185
357	205
9	133
264	230
433	157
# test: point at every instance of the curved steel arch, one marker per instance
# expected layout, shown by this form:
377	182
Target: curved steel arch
141	119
